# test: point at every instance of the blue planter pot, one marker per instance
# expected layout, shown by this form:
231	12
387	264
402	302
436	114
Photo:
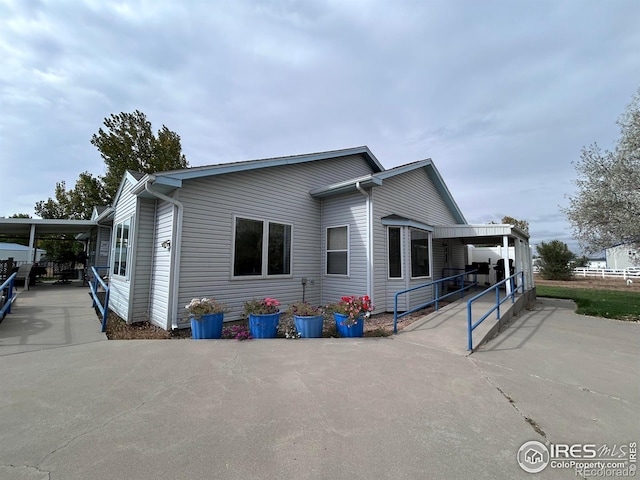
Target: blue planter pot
355	330
309	327
264	326
209	326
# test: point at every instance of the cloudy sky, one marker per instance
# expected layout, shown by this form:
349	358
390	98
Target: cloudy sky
502	95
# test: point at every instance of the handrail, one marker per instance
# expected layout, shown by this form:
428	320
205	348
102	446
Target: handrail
472	326
437	296
104	309
6	308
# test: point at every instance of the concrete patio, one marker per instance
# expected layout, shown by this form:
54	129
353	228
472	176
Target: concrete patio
74	406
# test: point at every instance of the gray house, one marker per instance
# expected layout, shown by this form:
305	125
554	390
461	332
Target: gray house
316	226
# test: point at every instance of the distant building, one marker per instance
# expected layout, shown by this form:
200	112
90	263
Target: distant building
597	263
622	256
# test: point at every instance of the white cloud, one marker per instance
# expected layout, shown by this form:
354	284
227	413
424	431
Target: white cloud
502	95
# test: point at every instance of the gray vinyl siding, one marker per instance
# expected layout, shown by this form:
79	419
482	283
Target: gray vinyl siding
144	233
412	195
279	194
160	275
346	210
119	287
104	235
99	234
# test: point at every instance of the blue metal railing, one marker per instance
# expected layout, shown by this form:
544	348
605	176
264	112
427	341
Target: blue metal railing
472	326
104	309
457	279
8	286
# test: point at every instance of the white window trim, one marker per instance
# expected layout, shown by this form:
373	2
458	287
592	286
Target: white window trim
429	238
326	251
129	256
265	249
402	253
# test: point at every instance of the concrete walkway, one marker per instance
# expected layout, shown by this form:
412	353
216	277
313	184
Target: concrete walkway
50	316
448	328
383	408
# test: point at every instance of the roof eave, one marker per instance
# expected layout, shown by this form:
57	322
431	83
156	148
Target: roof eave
345	187
198	172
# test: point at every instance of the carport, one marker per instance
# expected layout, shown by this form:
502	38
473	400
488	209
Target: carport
33	228
503	235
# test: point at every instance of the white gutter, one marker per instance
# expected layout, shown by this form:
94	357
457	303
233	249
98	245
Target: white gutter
369	241
175	250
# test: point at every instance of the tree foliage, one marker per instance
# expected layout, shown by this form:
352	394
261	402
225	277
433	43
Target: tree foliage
76	203
521	224
606	208
128	143
555	260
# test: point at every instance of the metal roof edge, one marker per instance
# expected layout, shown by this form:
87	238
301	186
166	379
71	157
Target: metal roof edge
406	222
442	188
223	168
346	186
392	172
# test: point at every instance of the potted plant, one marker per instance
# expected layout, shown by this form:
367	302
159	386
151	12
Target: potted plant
264	316
206	315
307	318
349	314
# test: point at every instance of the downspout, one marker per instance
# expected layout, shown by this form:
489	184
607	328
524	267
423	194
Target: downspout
153	256
369	240
176	235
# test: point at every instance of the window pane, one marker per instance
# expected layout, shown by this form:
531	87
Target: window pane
337	263
337	238
395	265
419	253
248	247
125	248
279	249
117	249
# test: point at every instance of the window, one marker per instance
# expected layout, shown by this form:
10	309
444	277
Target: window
121	248
279	249
338	250
420	253
395	254
252	238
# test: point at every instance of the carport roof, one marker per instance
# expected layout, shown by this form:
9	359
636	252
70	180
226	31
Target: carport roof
477	234
22	226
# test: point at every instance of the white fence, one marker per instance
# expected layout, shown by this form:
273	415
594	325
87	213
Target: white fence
607	272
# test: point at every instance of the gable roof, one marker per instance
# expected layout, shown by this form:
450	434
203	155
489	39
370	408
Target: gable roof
130	176
219	169
379	177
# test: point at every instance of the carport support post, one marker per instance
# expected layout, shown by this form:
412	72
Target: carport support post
32	241
517	262
505	258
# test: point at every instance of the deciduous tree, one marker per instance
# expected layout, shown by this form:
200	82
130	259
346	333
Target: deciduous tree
128	143
76	203
521	224
605	211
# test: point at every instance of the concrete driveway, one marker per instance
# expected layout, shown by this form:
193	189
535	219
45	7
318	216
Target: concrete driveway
381	408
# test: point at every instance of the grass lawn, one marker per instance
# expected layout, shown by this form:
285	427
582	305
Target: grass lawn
615	304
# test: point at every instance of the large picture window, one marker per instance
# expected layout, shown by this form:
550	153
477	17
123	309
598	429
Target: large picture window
252	239
121	249
420	265
395	252
338	250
